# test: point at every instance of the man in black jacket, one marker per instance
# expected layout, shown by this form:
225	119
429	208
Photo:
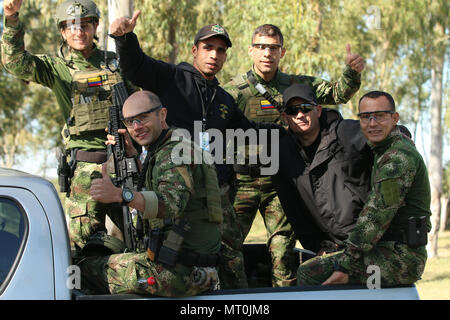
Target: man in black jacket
192	94
324	174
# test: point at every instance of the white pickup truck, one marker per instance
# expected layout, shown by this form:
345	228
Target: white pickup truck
35	257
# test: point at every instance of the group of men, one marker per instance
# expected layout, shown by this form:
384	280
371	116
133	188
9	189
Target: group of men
354	192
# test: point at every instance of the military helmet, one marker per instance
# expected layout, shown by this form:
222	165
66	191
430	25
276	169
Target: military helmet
76	9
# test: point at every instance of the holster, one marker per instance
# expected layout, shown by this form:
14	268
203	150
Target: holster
164	244
65	173
415	235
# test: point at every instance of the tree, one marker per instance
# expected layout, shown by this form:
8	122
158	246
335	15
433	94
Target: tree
435	29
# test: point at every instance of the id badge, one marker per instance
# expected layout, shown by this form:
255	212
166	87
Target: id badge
204	140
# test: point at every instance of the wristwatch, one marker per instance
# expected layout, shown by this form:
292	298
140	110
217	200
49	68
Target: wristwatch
127	196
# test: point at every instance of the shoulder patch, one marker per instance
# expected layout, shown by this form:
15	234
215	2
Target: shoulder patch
390	190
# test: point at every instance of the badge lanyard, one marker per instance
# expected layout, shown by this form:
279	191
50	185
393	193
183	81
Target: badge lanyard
203	135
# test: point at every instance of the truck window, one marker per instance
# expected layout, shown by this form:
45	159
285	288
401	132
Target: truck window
12	227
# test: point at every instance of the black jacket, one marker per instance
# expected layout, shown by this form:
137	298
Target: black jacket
323	199
183	91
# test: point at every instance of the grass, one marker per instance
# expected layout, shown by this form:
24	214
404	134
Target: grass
435	282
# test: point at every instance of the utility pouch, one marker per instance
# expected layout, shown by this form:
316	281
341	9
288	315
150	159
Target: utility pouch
417	232
154	243
171	247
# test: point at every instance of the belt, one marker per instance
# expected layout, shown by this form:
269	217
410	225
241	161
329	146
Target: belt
91	156
193	259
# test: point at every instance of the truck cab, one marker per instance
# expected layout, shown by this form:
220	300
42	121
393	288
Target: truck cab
35	256
34	242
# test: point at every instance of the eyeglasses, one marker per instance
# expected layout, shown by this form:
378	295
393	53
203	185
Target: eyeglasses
378	116
293	110
141	118
265	46
80	26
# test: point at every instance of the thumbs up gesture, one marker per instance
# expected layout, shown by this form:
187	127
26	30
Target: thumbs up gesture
103	190
354	60
124	25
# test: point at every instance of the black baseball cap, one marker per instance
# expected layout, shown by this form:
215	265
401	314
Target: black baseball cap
299	90
212	30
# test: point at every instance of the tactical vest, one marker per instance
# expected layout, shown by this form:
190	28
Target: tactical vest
206	191
188	232
257	108
91	99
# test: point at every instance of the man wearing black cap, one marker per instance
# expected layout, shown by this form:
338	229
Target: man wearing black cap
192	94
255	192
324	174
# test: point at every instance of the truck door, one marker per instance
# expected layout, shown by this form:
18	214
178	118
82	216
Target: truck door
26	259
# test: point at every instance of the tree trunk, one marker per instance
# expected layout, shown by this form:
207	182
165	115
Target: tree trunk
435	165
173	42
117	9
444	212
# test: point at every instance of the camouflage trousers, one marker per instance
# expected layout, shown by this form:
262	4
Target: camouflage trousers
120	273
255	194
85	215
231	269
398	264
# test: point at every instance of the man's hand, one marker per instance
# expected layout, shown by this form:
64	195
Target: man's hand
123	25
103	190
337	277
130	150
11	6
354	60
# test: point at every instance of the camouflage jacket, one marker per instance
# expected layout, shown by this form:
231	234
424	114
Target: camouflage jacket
51	72
399	189
176	191
328	93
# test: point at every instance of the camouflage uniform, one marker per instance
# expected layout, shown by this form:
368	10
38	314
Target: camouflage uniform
56	73
400	189
255	192
173	191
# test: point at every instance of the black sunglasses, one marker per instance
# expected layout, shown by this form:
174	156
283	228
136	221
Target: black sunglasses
293	110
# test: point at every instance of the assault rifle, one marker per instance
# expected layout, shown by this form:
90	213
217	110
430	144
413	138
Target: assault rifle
125	168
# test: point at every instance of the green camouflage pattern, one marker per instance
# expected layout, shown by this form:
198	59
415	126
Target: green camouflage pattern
119	274
400	189
54	73
175	186
327	92
231	270
258	193
85	215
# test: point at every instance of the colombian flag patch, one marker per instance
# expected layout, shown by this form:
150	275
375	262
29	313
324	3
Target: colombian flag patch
94	82
265	104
